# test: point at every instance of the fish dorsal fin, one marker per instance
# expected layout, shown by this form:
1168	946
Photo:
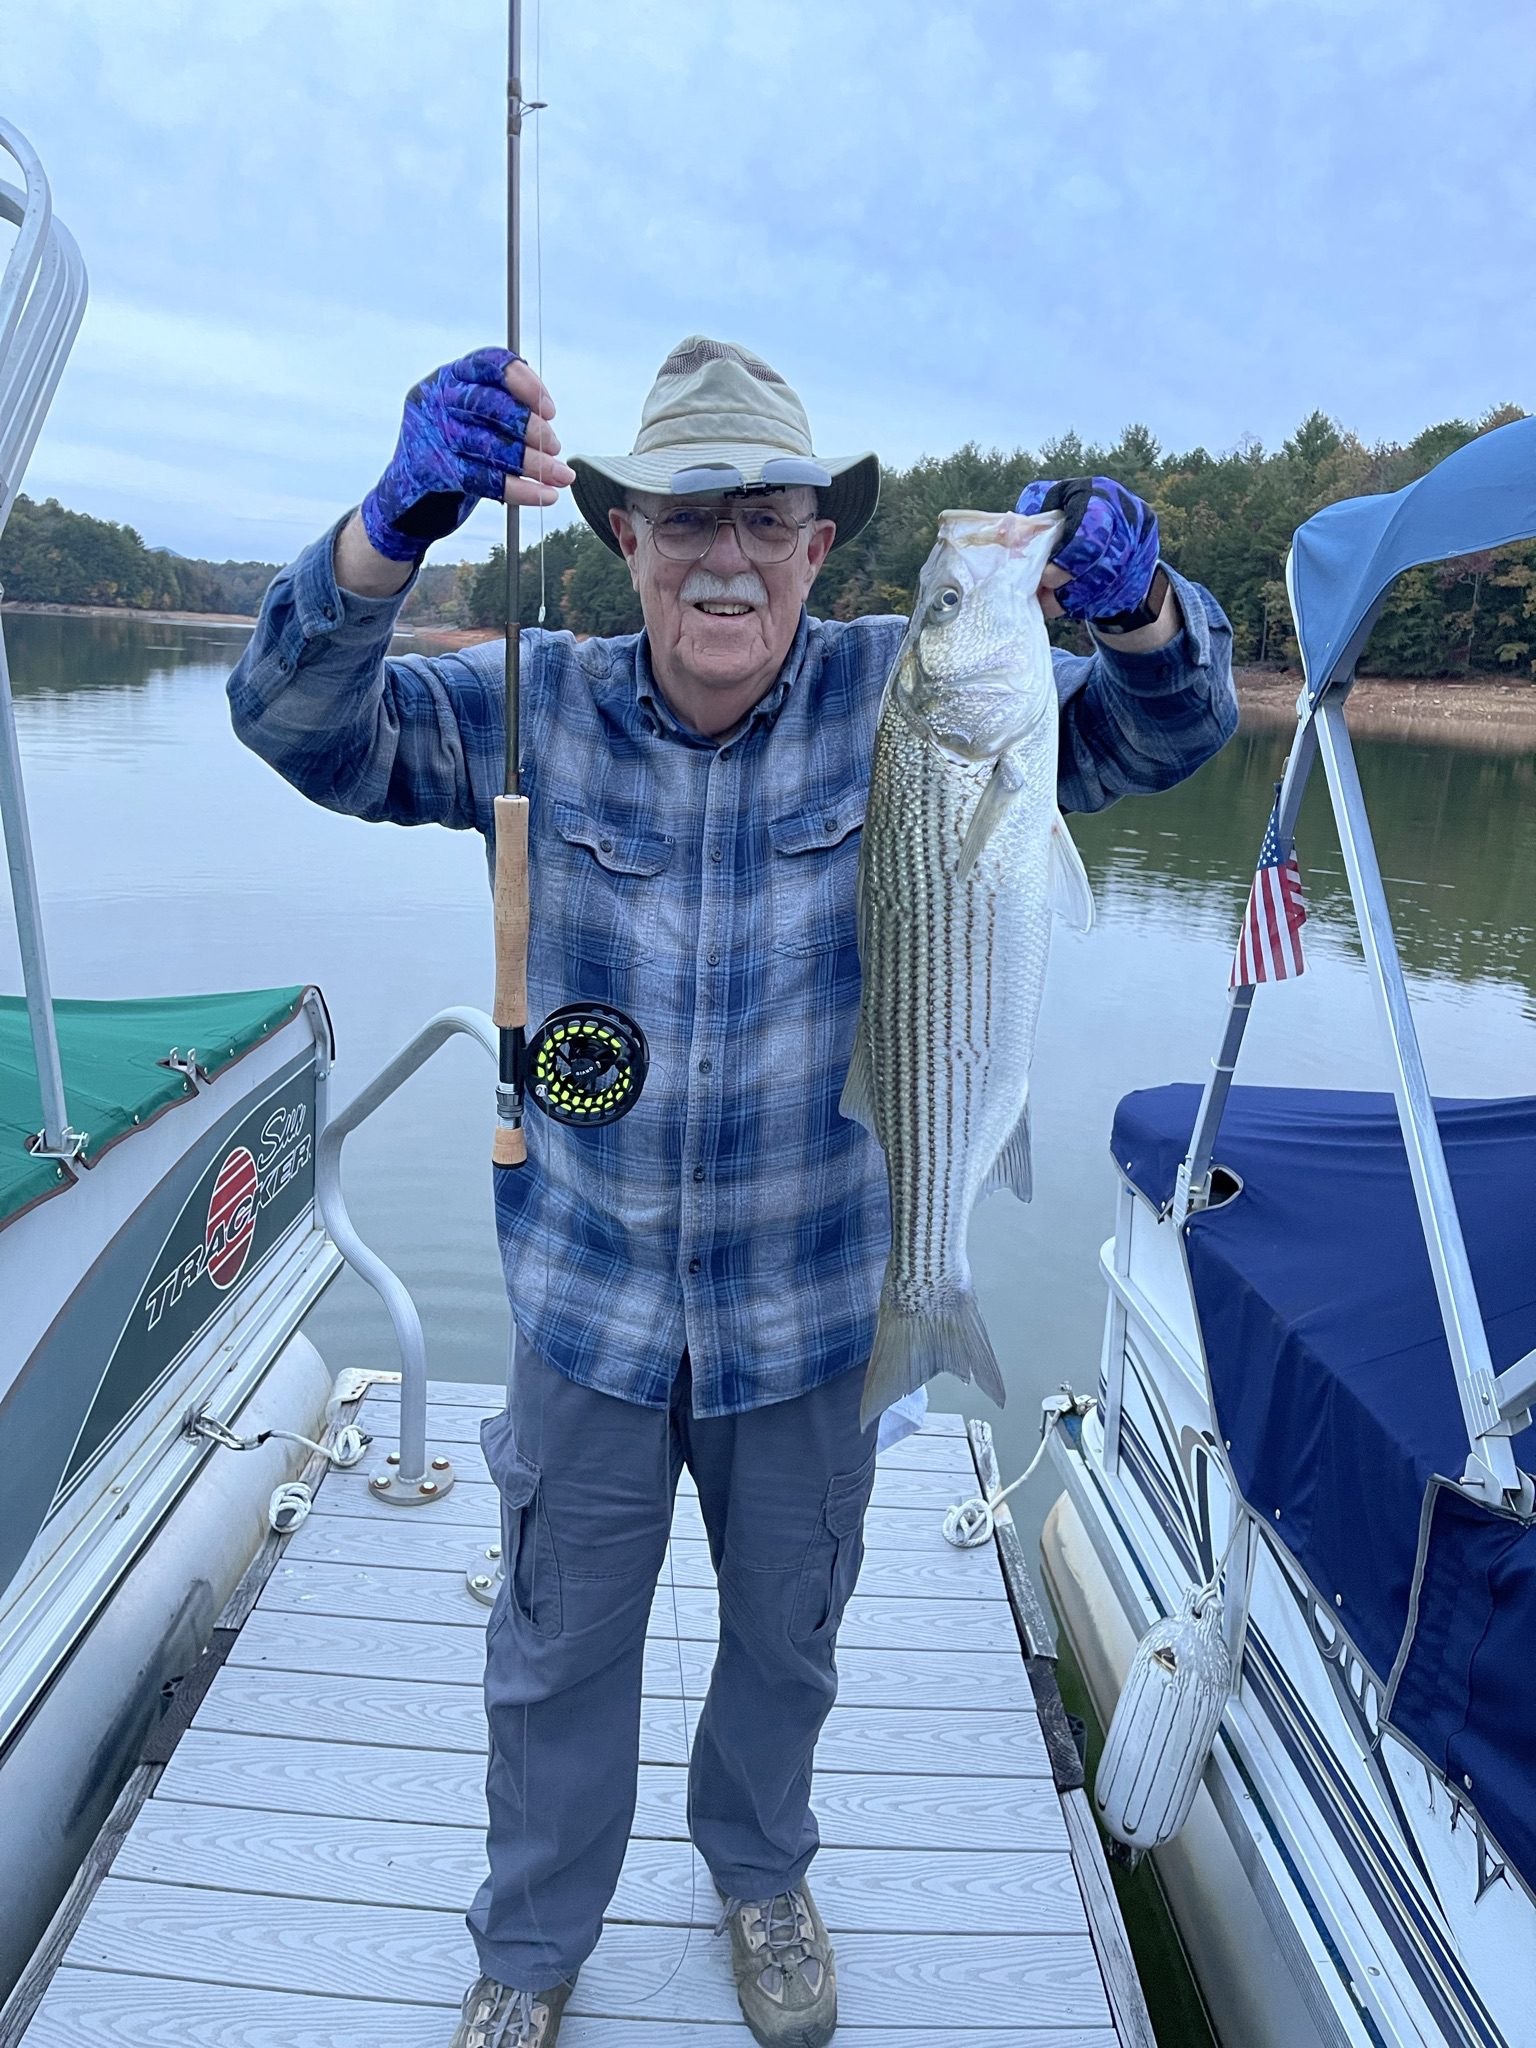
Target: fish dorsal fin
1012	1168
1070	893
1003	785
858	1098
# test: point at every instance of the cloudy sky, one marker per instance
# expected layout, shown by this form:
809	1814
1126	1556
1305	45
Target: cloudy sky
992	220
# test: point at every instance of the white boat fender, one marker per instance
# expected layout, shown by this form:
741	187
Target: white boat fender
1165	1723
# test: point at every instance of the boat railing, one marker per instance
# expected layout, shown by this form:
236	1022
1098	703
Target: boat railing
418	1479
1481	496
42	299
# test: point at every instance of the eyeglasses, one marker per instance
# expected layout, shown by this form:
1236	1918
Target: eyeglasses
687	533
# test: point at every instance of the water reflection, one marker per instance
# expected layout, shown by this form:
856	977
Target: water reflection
58	653
1455	834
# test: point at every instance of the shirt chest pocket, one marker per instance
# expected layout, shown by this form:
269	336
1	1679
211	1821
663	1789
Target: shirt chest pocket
602	886
815	869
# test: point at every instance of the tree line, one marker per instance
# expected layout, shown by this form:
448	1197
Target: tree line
1226	521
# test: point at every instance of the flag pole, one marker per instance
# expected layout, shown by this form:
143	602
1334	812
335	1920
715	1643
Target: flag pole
509	1010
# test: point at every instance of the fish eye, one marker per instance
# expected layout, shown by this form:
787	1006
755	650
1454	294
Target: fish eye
946	602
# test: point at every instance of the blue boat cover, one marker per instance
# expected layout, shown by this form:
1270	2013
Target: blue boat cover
1332	1382
1346	557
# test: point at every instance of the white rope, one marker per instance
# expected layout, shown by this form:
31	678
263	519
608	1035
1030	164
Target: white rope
973	1522
350	1444
289	1506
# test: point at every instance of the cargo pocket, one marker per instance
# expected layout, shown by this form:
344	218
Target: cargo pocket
815	875
607	883
530	1568
831	1568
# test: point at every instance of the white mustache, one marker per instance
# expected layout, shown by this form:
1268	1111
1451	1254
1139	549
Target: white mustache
702	585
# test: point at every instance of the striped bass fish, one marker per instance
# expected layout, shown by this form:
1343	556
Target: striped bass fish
964	854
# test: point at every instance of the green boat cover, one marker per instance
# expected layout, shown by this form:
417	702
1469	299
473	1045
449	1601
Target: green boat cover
115	1079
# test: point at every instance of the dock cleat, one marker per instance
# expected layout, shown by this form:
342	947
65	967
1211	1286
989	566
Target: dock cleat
786	1978
496	2016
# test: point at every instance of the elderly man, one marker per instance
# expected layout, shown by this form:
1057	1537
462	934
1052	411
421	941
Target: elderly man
697	1284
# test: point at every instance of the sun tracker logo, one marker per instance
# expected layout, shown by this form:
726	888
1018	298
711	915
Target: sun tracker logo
244	1186
231	1218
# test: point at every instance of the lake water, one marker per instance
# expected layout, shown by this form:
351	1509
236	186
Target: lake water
172	860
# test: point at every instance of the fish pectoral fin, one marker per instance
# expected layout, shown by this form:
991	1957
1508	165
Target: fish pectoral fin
1013	1169
1071	896
858	1097
1003	785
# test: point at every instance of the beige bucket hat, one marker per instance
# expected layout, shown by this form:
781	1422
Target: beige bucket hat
719	418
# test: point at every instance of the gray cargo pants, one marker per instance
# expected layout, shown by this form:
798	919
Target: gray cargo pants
586	1485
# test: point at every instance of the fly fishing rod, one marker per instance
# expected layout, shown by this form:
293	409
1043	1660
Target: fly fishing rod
586	1064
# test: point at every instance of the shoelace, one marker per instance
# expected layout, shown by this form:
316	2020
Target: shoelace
490	2022
786	1928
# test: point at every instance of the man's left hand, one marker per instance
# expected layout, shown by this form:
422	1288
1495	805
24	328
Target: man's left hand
1107	555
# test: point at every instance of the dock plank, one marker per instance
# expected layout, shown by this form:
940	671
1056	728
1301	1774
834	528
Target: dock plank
400	1713
362	1781
345	1645
895	1486
370	1592
103	2009
891	1571
663	1883
279	1943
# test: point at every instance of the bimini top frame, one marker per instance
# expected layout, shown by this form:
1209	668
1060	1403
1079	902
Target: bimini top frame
42	298
1342	564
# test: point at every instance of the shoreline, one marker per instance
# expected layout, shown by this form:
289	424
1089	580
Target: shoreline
1483	712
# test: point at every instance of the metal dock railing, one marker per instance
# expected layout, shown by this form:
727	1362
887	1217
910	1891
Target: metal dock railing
290	1866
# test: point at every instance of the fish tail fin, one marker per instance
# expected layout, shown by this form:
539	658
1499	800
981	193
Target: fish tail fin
910	1349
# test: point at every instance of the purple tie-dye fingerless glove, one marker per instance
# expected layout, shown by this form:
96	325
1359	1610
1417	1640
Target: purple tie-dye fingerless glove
461	437
1108	545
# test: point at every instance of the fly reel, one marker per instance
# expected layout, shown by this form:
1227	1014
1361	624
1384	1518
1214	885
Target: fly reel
587	1065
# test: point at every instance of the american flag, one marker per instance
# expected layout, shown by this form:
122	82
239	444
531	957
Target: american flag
1269	944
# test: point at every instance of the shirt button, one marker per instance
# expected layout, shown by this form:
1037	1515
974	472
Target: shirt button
693	1265
829	823
725	753
606	845
713	957
715	854
705	1065
698	1173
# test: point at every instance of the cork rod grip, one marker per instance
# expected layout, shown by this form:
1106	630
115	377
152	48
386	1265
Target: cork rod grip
509	1009
510	899
508	1148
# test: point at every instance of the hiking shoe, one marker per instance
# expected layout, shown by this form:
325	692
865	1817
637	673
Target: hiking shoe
496	2016
785	1976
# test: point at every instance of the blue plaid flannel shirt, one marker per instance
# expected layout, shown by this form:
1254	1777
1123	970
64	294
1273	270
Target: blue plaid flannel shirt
708	890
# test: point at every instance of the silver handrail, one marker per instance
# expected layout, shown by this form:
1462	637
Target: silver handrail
42	299
404	1487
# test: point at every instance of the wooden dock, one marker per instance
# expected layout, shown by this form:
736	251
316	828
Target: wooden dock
299	1876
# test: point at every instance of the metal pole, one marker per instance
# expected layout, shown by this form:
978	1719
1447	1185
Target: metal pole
1191	1189
57	1136
510	1006
1491	1468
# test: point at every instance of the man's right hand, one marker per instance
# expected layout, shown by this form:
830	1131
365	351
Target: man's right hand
478	428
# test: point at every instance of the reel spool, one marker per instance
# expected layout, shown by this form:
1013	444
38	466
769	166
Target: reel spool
587	1065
